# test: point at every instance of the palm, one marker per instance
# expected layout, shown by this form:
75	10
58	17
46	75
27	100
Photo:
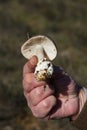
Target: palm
64	108
66	95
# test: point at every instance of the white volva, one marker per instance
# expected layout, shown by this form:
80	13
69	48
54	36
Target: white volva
44	69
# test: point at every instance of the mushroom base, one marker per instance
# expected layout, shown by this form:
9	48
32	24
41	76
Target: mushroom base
42	76
43	70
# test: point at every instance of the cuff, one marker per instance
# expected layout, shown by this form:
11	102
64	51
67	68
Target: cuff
85	90
81	121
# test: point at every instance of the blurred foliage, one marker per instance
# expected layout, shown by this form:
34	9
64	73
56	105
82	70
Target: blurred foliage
65	21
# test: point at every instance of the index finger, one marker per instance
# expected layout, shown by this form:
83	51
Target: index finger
29	67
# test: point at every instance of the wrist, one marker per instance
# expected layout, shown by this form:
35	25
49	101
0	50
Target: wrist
81	99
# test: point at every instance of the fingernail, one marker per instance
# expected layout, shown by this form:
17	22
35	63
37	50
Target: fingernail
34	60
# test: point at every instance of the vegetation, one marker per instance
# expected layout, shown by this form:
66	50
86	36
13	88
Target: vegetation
65	21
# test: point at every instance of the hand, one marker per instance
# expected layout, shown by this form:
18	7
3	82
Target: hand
54	99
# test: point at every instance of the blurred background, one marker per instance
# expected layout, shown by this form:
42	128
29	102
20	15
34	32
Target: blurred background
65	21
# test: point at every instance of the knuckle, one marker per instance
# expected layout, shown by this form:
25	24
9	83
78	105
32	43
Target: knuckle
26	86
45	104
38	112
26	78
35	114
26	95
49	102
38	115
39	92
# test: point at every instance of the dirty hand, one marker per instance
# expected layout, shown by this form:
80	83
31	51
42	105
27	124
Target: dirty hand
54	99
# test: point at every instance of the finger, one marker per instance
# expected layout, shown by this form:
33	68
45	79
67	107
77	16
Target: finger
44	107
30	65
64	109
30	82
38	94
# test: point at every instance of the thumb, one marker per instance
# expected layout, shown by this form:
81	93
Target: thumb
33	62
29	67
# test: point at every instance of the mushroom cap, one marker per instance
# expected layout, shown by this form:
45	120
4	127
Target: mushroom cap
40	46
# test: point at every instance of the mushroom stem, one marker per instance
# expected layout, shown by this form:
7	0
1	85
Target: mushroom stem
39	51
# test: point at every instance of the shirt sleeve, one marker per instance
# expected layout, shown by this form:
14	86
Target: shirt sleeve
85	89
81	121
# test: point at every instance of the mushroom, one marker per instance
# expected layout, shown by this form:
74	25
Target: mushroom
45	50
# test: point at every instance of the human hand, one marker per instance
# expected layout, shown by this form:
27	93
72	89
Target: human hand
53	99
39	94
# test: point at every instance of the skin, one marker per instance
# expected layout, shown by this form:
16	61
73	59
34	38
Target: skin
54	99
